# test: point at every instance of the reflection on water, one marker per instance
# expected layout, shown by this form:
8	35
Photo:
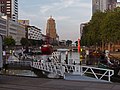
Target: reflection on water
18	72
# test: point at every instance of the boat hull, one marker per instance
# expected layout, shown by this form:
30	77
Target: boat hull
46	49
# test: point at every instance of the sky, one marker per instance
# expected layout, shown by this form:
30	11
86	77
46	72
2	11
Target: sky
68	15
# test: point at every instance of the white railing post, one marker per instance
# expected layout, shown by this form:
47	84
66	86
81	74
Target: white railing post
109	76
81	70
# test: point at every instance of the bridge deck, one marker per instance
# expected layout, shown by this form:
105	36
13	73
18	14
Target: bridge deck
82	78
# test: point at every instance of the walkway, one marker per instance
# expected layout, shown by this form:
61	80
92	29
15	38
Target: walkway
27	83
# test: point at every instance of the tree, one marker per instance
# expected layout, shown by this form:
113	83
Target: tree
24	41
91	31
40	42
110	29
103	28
68	42
76	42
9	41
94	27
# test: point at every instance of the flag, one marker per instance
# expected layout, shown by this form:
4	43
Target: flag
79	45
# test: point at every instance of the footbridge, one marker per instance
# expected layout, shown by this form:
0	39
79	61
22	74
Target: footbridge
84	72
72	48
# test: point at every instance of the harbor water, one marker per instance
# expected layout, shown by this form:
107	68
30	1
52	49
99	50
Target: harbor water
18	72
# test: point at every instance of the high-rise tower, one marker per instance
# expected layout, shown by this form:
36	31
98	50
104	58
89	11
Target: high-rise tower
51	29
9	8
103	5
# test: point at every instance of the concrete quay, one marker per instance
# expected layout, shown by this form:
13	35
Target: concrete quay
29	83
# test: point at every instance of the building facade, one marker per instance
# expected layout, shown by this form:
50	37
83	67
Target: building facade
10	28
3	27
21	33
24	22
82	25
102	5
118	4
33	33
51	28
16	30
9	8
51	31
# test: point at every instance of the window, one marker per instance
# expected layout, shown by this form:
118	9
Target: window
8	12
8	9
8	4
8	1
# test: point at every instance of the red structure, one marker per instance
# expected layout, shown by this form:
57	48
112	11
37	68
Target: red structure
79	45
47	49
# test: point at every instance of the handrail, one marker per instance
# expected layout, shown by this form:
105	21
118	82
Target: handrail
19	62
82	70
61	69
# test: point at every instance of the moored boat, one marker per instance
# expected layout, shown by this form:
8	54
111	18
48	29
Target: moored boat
46	49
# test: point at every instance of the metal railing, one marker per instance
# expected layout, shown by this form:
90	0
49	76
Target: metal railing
22	63
61	69
49	67
98	73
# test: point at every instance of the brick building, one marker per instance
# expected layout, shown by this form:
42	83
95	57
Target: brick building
51	31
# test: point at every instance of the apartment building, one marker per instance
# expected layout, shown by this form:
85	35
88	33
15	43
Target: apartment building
9	8
103	5
33	33
3	27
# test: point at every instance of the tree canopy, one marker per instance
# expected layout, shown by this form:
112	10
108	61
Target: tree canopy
9	41
102	28
24	41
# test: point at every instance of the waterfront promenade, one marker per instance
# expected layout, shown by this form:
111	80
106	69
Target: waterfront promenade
29	83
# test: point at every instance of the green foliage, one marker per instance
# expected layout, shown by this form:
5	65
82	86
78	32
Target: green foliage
103	27
76	42
110	29
68	42
9	41
36	42
24	41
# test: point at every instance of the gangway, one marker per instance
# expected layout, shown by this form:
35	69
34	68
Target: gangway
57	67
63	69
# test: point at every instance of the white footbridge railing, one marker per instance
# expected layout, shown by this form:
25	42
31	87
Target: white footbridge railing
61	69
22	63
58	68
98	73
49	67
